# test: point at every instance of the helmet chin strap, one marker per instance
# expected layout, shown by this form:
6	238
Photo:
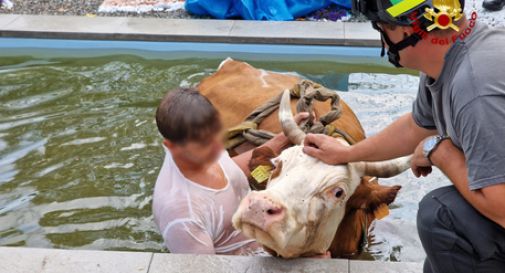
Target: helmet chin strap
394	49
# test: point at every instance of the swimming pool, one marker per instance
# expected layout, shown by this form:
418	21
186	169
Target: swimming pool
79	149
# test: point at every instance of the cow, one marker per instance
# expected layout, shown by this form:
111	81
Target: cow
308	207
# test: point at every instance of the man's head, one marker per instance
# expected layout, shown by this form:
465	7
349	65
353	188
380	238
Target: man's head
406	24
413	56
190	125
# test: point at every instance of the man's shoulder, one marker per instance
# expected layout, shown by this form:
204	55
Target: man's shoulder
169	193
484	57
172	206
480	72
472	88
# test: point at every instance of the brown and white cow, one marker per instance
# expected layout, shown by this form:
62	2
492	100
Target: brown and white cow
308	207
305	201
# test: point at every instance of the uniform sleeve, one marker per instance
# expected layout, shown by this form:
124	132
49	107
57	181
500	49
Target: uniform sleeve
188	236
422	109
481	130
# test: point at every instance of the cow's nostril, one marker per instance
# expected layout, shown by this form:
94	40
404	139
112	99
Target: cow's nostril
274	211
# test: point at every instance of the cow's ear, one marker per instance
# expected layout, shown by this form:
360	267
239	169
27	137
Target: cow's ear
261	156
371	195
368	202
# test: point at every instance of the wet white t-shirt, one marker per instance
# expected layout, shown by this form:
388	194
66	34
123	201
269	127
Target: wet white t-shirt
197	219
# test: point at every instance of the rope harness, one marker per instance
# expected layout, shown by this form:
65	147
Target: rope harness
306	91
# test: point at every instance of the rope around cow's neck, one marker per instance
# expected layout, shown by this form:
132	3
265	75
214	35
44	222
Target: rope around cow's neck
307	91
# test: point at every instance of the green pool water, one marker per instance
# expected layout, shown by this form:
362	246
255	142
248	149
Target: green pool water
79	149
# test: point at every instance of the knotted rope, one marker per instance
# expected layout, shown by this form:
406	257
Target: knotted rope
307	91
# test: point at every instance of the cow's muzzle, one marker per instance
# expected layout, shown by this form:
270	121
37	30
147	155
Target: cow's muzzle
261	210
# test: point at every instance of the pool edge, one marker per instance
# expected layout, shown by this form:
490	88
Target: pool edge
18	259
185	30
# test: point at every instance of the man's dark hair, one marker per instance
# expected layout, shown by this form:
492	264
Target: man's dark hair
186	115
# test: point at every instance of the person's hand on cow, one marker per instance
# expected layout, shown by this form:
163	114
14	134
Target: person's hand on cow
420	165
280	142
301	117
326	148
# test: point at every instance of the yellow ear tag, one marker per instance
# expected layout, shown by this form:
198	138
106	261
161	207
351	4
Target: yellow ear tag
261	173
381	212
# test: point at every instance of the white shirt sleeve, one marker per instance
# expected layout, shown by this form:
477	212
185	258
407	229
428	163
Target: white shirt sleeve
187	236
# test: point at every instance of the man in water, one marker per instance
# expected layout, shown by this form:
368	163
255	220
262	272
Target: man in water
457	124
199	186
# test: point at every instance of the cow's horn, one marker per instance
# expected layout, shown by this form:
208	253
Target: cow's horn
385	169
289	126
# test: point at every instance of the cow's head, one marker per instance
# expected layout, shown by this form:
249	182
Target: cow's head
305	199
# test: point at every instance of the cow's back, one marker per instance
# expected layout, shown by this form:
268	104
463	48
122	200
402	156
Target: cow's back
237	88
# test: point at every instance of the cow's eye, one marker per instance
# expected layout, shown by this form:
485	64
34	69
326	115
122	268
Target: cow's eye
338	192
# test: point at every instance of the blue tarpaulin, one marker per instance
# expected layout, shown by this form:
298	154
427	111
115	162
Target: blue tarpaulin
275	10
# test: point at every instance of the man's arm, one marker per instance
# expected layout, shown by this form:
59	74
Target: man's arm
490	201
277	144
398	139
478	169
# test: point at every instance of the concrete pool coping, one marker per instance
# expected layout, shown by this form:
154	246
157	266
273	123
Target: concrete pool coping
184	30
18	259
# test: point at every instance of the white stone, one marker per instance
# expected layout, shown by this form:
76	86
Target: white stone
37	260
176	263
384	267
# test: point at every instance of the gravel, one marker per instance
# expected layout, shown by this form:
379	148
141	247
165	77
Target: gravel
494	19
82	7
